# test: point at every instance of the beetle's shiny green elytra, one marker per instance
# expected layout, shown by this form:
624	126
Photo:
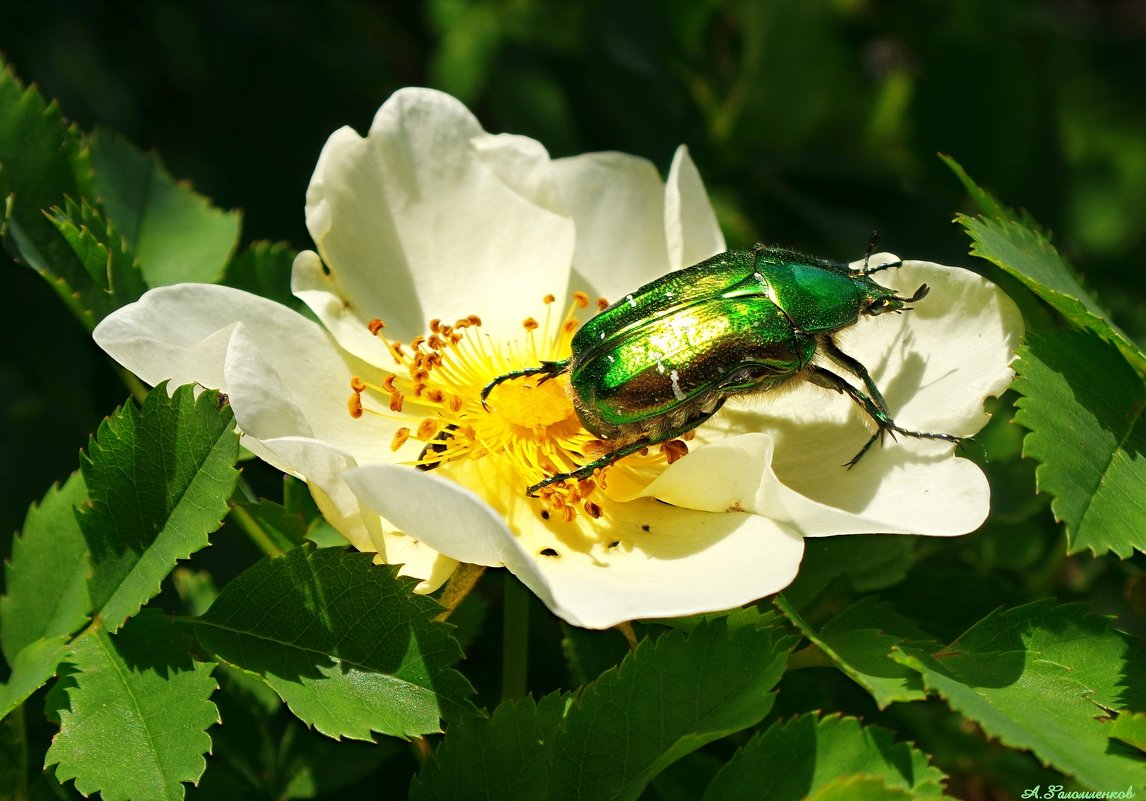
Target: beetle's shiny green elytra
663	359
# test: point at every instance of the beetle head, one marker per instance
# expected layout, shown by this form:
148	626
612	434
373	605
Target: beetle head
886	300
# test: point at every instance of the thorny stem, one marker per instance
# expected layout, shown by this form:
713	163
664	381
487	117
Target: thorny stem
254	531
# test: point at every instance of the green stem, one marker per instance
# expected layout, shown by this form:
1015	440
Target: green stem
515	639
254	531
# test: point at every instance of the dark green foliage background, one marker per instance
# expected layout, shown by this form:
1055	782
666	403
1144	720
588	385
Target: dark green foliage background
812	123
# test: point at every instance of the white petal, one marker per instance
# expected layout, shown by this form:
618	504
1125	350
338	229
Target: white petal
894	491
418	221
325	469
618	202
691	230
952	350
686	562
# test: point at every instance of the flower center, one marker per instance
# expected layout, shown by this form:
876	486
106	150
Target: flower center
537	408
527	430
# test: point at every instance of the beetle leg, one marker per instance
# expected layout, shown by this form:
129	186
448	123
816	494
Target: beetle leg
826	378
547	369
438	445
625	450
834	353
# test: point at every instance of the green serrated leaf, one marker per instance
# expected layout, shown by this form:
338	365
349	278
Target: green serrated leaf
588	653
861	788
505	758
42	160
138	713
344	642
264	753
987	203
265	269
103	253
796	759
46	576
1043	678
176	234
1023	250
1084	407
667	698
31	668
159	478
860	639
1130	728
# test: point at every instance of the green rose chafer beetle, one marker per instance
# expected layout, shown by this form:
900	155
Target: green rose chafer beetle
662	360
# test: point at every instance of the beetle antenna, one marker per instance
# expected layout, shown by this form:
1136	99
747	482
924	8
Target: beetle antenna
920	293
867	269
872	242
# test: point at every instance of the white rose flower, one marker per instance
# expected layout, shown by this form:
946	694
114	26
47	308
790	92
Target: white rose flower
448	256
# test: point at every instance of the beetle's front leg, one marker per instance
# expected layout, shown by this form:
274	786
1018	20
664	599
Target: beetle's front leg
625	450
547	369
832	350
829	380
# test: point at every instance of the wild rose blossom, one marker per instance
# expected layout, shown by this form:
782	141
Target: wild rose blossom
448	256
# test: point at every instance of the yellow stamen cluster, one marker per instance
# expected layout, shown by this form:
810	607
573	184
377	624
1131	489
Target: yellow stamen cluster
529	430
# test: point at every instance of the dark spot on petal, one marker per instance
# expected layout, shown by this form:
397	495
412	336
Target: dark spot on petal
645	527
614	544
549	552
544	514
325	269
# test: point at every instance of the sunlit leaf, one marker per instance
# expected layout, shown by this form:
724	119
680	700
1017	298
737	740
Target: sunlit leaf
137	716
159	478
349	647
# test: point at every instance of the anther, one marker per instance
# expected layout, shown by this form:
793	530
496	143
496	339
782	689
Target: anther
548	299
592	509
396	399
427	429
568	514
529	324
455	403
581	299
417	341
602	304
375	325
673	450
354	405
357	385
399	438
474	320
435	324
388	383
436	395
569	326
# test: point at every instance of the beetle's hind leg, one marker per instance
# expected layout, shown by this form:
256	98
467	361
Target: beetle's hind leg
547	369
829	380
